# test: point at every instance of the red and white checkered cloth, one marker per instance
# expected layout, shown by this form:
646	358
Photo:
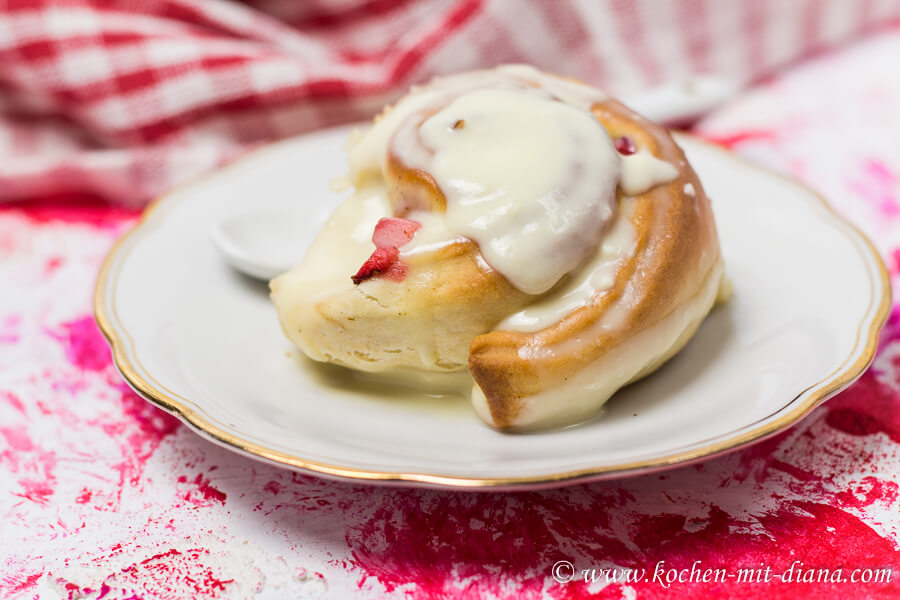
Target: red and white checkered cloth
124	99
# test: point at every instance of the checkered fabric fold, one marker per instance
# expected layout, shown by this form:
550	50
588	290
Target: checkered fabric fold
125	99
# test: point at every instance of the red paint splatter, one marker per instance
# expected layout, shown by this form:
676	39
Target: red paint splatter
19	583
866	408
71	208
153	425
895	266
9	329
209	492
879	186
85	348
504	546
35	466
35	490
891	330
203	491
739	137
173	574
795	472
867	492
273	487
52	264
17	439
84	344
84	497
73	591
13	401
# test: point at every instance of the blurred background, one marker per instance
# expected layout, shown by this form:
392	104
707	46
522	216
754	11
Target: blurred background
124	99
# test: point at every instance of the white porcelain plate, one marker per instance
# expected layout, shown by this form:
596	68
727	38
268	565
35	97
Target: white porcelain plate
203	342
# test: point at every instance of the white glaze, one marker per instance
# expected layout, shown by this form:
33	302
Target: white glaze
594	277
531	180
431	236
642	171
527	171
368	151
689	189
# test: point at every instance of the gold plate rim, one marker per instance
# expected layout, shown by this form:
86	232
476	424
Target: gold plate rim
817	393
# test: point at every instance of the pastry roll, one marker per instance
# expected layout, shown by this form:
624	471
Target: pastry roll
517	226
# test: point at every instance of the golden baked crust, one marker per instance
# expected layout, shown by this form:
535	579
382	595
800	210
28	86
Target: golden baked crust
677	249
425	322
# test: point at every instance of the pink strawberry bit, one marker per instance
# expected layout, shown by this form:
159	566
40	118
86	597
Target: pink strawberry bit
379	262
394	232
388	236
625	145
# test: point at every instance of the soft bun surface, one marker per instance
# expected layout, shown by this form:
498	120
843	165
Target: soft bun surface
451	312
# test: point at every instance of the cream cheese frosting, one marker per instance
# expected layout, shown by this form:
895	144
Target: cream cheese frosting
596	275
528	173
531	180
368	152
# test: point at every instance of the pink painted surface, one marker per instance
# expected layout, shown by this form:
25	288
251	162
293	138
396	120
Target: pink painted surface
104	496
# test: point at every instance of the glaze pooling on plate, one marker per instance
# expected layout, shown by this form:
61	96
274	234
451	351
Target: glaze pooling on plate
803	325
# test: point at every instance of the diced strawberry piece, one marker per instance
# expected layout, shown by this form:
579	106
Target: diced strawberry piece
625	145
388	236
394	232
379	262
